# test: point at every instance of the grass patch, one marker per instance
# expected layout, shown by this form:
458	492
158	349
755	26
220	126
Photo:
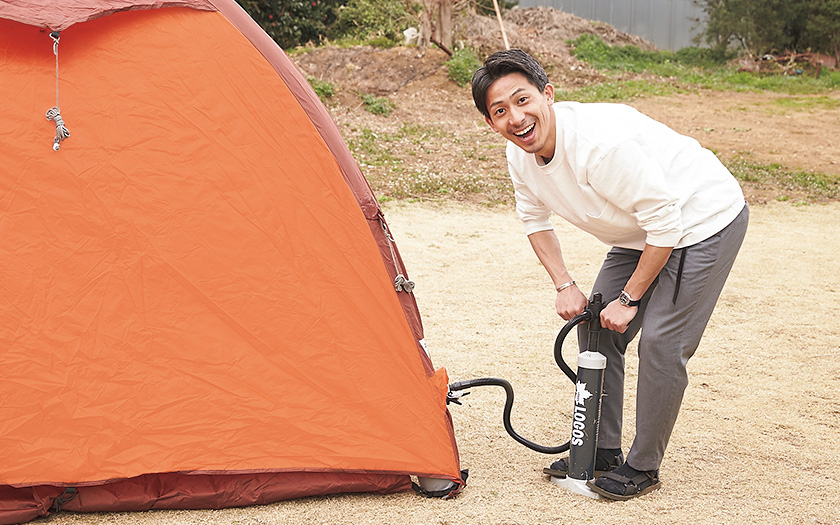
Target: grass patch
386	160
615	91
600	55
374	148
807	103
418	133
424	182
377	105
816	185
729	78
684	69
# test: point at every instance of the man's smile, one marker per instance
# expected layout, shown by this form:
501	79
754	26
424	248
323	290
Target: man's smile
525	132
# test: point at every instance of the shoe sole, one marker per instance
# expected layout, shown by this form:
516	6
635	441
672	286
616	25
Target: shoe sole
621	497
562	473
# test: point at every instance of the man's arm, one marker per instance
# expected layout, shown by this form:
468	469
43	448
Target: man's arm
616	316
569	301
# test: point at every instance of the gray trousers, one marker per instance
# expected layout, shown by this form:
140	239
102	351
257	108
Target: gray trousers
671	334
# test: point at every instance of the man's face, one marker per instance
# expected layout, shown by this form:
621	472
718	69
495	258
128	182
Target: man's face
522	113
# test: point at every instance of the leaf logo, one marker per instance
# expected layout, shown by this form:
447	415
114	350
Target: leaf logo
581	393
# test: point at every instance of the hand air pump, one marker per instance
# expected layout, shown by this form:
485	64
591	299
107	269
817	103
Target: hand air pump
588	381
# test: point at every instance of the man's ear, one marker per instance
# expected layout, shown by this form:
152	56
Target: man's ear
490	123
549	93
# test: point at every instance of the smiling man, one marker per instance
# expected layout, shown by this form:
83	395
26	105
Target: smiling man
673	216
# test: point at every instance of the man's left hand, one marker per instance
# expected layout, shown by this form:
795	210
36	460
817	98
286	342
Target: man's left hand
617	316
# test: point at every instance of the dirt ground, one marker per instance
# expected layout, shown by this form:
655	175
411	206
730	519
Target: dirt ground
760	425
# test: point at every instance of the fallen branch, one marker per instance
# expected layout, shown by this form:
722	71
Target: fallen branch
445	49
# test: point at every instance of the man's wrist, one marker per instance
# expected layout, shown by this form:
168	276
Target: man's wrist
624	299
565	285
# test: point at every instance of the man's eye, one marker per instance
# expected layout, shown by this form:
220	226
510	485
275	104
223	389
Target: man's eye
523	99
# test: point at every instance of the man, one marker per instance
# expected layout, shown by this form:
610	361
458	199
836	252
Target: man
673	215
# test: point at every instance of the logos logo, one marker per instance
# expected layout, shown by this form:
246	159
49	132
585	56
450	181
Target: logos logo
581	393
579	423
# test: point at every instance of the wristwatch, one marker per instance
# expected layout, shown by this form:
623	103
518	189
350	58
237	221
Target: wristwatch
624	299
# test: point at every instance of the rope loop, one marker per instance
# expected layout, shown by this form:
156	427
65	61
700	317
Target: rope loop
61	131
401	284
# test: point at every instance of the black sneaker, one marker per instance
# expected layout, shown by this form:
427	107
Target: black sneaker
606	460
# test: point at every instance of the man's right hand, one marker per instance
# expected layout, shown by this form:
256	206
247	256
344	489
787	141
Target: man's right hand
570	302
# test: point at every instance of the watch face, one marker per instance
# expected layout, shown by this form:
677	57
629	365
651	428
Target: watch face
623	298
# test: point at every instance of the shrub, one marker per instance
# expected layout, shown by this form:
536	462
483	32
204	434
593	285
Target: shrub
292	22
322	88
462	65
371	19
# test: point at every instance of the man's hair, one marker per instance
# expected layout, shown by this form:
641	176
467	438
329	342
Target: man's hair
504	63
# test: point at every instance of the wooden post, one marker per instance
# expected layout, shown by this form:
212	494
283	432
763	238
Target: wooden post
502	27
443	29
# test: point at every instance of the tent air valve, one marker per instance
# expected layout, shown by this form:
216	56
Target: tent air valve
54	114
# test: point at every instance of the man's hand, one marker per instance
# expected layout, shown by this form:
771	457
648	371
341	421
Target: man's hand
616	316
570	302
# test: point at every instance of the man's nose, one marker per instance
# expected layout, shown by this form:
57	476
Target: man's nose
516	115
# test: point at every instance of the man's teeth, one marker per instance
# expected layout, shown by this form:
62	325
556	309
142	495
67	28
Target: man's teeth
525	131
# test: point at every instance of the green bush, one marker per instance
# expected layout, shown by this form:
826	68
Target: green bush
367	20
462	65
292	22
322	88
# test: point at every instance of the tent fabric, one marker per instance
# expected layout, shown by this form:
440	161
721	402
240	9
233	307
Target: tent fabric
58	16
197	306
170	491
322	121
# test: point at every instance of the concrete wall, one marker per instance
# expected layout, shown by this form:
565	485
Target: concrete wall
669	24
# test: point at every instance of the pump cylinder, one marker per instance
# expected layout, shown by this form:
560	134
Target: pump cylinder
587	409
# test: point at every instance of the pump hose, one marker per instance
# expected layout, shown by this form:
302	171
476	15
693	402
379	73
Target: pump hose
558	357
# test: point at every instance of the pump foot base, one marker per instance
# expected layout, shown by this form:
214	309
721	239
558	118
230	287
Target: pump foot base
577	486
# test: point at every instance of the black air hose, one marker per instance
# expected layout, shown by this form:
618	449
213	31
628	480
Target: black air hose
558	357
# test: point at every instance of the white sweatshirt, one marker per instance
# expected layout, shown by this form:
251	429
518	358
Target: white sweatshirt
624	178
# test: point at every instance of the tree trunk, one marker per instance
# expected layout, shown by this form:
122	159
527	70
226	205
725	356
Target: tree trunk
443	27
426	18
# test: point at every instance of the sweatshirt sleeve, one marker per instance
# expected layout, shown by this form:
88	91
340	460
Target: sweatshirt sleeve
633	181
533	213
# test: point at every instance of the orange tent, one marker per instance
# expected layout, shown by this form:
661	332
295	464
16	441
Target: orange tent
197	288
